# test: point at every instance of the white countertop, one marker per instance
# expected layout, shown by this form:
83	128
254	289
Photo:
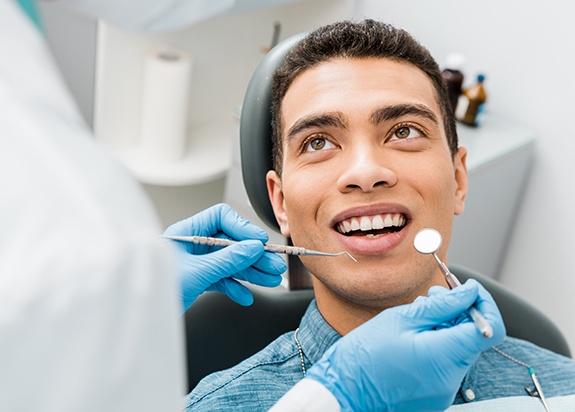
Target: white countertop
494	139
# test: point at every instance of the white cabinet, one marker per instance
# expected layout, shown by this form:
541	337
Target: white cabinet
500	155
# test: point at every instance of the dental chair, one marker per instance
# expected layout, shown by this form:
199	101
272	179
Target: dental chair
220	333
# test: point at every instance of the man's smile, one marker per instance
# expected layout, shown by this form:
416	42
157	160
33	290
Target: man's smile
372	226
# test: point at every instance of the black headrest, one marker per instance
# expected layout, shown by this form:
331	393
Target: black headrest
256	131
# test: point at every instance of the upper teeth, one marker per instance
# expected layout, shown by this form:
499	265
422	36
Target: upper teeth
366	223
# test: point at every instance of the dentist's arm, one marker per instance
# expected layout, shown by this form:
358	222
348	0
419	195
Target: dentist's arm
408	358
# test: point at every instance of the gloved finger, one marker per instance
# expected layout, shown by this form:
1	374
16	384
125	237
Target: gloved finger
234	290
485	302
237	227
487	306
235	258
257	277
199	272
440	290
217	219
187	301
462	341
433	291
187	227
463	317
271	263
440	307
465	338
437	290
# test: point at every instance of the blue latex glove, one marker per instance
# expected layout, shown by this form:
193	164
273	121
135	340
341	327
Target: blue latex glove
212	268
410	357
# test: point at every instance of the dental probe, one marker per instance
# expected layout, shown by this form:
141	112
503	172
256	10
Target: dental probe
428	241
268	247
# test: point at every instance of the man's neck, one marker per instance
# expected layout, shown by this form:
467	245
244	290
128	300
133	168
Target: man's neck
345	314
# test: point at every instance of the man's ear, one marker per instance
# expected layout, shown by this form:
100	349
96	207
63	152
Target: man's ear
276	195
460	167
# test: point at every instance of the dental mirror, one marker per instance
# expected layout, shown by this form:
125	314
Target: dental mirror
427	241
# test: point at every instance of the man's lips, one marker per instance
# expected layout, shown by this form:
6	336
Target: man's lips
373	229
371	225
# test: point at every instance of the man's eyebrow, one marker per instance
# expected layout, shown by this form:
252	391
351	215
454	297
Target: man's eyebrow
335	119
393	112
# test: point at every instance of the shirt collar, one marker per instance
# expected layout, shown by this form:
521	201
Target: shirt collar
315	335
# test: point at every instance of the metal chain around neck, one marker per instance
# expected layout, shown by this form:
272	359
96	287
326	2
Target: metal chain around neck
300	350
511	358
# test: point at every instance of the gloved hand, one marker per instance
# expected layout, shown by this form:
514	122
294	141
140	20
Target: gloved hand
410	357
212	268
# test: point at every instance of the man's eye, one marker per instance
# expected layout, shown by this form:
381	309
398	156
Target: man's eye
317	144
405	132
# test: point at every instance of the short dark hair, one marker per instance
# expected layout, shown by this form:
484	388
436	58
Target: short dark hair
356	40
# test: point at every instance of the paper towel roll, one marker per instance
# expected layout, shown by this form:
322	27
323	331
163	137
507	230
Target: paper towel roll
165	101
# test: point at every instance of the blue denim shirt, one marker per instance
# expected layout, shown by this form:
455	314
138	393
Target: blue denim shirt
257	383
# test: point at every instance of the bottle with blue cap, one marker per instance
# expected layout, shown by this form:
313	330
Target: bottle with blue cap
471	105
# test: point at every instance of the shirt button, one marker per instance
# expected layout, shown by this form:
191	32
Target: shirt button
469	394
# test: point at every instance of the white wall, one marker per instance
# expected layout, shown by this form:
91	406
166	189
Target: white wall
527	51
72	40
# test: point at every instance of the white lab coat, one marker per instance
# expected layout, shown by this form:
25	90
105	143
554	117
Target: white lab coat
89	315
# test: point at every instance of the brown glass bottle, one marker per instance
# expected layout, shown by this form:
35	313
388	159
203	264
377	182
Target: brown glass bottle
471	105
453	77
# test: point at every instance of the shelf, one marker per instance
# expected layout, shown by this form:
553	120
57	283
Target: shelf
208	158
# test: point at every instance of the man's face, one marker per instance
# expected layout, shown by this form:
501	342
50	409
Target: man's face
366	166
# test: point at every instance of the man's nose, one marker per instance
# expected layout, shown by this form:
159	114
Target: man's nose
365	168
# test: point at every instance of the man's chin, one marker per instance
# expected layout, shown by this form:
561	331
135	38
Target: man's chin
373	297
